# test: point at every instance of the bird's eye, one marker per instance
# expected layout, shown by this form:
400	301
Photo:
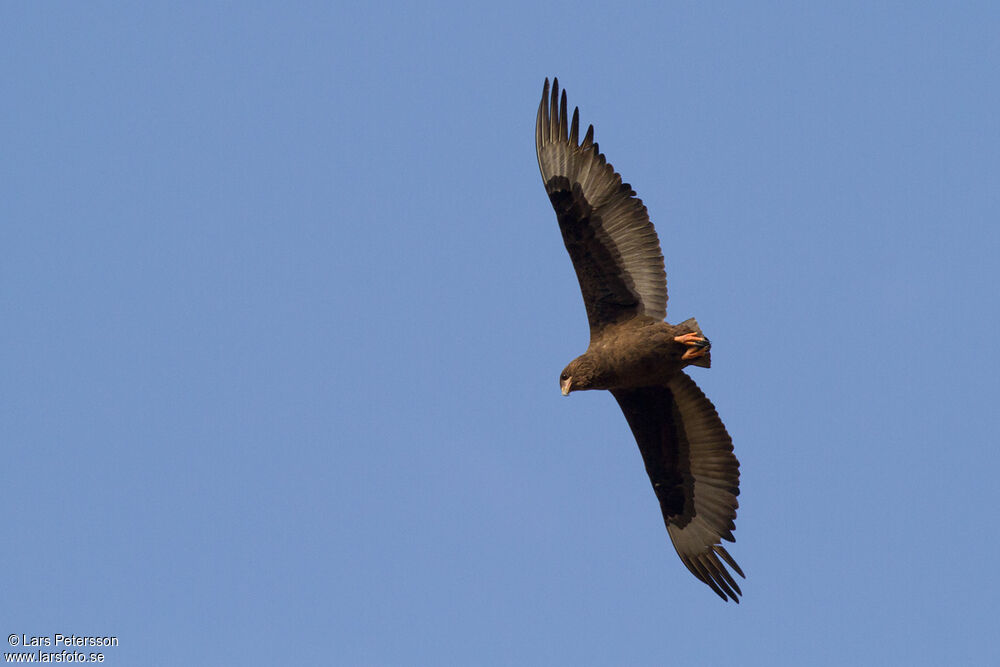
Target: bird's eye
564	376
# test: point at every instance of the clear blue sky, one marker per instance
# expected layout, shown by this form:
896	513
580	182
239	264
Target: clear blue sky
284	306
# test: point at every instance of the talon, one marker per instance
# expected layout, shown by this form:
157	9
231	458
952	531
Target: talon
697	344
692	339
693	353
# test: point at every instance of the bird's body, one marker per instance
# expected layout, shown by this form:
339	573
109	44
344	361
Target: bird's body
633	352
639	352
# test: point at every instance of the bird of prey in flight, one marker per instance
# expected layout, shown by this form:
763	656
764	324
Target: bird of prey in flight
633	352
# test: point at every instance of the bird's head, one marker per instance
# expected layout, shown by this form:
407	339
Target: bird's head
581	373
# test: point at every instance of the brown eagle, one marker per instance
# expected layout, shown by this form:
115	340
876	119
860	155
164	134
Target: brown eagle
633	353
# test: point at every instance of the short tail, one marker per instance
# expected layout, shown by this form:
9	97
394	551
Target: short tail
690	325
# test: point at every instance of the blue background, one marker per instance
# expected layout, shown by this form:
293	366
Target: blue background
284	307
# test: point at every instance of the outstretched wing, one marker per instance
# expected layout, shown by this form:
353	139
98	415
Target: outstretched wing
689	459
606	228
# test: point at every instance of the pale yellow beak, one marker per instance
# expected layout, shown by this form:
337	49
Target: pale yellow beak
565	385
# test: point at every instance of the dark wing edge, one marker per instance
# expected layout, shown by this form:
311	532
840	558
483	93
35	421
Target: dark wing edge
605	227
695	475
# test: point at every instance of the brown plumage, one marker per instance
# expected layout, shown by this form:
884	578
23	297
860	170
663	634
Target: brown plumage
633	353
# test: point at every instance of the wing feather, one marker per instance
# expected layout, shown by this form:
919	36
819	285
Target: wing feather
605	227
695	475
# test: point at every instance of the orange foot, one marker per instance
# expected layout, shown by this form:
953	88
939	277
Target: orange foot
697	344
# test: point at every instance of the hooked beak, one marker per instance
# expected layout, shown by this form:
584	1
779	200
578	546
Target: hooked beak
565	386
